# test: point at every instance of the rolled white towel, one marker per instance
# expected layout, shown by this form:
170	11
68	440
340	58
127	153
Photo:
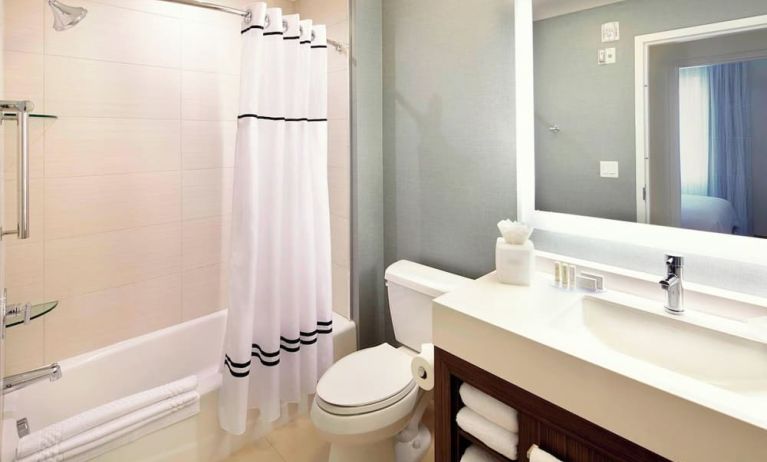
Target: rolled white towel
490	408
61	431
109	431
536	454
495	437
475	453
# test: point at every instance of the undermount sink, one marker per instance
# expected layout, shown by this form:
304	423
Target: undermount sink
682	344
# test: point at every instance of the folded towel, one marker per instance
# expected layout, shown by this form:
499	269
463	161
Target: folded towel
116	428
69	428
489	408
536	454
476	454
495	437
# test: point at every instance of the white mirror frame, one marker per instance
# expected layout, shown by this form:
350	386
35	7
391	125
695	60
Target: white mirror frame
675	240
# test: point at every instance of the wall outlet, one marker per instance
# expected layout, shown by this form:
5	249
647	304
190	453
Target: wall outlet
608	169
611	32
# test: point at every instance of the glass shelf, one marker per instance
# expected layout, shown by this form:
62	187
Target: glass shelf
37	310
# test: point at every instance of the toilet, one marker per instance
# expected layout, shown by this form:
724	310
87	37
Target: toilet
368	405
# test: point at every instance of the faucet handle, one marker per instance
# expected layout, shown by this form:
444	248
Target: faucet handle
674	261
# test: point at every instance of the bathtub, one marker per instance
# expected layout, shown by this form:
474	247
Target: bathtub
105	375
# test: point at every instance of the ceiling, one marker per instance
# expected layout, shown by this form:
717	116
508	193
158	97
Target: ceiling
543	9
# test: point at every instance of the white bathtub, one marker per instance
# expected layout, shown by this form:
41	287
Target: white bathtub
108	374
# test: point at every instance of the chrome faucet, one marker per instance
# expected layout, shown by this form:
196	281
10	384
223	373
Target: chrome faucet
17	382
672	284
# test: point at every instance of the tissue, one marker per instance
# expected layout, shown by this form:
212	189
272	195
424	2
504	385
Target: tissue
514	232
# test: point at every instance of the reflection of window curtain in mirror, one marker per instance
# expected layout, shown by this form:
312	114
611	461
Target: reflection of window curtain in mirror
693	129
729	160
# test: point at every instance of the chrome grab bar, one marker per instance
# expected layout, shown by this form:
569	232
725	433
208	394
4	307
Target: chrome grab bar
19	111
51	372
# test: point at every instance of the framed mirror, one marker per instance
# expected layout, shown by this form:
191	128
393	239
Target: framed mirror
648	122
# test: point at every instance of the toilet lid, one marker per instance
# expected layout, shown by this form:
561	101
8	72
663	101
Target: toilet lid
367	377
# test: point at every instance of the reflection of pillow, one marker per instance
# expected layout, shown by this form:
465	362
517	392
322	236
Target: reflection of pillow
706	213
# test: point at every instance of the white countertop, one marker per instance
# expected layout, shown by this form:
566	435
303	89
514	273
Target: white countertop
508	318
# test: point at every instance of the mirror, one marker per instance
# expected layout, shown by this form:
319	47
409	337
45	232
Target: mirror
653	111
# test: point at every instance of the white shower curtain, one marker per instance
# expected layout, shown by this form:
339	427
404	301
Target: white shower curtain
278	340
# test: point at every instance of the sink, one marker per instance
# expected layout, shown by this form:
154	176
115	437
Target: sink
691	344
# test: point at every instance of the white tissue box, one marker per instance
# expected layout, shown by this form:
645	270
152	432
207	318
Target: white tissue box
514	264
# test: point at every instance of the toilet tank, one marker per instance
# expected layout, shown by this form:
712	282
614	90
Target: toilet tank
411	289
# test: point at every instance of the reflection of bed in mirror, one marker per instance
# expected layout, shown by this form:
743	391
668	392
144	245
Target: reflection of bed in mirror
705	213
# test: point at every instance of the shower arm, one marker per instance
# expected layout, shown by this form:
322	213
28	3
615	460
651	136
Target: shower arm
339	46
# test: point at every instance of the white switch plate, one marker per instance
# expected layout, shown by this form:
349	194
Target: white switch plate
608	169
606	56
611	32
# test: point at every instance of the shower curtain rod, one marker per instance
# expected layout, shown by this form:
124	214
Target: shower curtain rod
339	46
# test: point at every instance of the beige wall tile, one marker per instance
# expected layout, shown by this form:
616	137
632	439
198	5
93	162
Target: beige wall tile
340	242
205	241
110	33
207	193
338	94
37	128
36	212
24	348
339	143
341	303
208	96
324	12
205	290
211	47
340	32
339	189
85	88
147	6
24	273
81	265
23	27
208	144
87	204
95	146
23	78
85	322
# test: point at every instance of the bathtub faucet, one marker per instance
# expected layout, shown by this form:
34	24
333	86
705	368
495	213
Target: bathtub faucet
17	382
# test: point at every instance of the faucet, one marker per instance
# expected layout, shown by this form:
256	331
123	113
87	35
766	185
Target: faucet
17	382
672	284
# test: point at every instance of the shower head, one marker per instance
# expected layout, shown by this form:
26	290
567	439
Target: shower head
65	16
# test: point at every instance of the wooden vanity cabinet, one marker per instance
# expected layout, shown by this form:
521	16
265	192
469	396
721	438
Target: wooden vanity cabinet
555	430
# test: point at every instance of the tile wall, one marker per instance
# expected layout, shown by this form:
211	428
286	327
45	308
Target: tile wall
131	185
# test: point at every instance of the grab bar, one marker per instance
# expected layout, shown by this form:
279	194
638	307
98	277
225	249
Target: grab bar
19	111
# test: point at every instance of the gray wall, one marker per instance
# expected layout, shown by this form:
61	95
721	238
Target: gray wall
368	300
449	166
594	105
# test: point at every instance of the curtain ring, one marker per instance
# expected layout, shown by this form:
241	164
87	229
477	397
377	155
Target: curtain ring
301	30
267	22
248	17
313	36
284	26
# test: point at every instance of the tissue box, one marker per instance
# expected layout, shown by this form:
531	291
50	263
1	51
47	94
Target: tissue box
514	264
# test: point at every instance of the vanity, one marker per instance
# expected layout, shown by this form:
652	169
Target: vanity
601	377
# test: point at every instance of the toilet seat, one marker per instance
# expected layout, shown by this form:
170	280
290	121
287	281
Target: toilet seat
366	381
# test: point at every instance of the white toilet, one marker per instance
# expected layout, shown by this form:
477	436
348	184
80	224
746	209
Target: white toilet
368	405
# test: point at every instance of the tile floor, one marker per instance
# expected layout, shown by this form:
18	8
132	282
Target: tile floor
299	442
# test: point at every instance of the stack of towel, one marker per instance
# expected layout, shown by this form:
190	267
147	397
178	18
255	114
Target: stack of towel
490	421
81	436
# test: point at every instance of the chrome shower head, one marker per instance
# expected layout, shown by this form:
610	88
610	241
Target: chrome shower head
65	16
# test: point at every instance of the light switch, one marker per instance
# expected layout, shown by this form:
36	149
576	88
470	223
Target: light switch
611	32
608	169
610	56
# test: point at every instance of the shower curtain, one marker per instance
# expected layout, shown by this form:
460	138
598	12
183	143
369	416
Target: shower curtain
278	340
